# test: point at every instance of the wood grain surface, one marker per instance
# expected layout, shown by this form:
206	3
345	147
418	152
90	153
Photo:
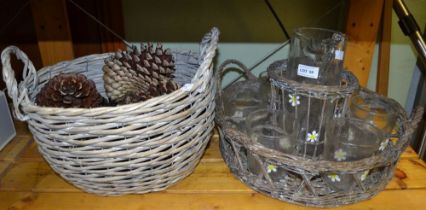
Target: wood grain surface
362	26
27	182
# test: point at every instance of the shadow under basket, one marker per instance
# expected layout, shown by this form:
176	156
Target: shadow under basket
310	182
135	148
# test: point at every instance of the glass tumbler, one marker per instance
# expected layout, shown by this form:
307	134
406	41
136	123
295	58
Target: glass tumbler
267	129
242	98
350	139
375	110
316	56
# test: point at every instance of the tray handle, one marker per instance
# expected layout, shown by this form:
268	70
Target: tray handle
410	127
221	71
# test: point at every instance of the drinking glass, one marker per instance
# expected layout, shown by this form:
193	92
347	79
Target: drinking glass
375	110
350	139
267	129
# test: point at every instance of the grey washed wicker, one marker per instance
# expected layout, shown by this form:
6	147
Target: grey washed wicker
303	180
134	148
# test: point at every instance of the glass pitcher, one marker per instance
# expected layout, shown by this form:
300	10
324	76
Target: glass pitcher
316	56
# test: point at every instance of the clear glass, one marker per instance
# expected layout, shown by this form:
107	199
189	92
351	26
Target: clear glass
306	119
374	110
267	128
316	56
243	97
350	139
311	130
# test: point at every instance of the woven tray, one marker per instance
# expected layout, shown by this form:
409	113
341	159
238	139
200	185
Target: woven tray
304	181
134	148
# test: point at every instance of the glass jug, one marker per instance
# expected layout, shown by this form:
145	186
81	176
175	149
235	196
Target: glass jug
316	56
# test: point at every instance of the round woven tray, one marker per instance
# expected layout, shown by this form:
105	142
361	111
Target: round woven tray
134	148
303	181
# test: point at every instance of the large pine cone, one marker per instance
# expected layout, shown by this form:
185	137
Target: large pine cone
138	75
69	90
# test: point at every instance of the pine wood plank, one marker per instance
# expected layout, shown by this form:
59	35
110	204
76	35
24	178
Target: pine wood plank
15	148
7	199
362	27
88	36
53	31
387	200
39	177
22	129
410	173
4	165
24	176
384	49
212	153
31	153
409	153
207	177
210	177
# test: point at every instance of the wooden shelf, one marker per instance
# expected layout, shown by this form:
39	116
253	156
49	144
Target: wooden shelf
27	182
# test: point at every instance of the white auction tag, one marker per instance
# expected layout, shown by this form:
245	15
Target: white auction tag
338	54
187	87
308	71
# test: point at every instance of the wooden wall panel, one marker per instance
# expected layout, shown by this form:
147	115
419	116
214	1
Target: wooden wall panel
384	50
362	26
52	29
18	31
88	36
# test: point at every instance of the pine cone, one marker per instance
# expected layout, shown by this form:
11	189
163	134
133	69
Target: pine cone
138	75
69	91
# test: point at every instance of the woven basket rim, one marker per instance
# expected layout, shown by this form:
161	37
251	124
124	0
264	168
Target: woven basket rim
163	98
316	88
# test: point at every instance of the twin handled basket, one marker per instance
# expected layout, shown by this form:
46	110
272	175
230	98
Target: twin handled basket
321	142
128	149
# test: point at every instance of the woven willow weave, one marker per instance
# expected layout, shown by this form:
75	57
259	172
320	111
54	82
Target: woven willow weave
134	148
303	180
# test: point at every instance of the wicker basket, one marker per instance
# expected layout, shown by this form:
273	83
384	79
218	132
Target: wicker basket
134	148
302	180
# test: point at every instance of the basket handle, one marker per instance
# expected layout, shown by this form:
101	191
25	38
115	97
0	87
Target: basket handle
222	68
208	48
415	118
18	93
411	125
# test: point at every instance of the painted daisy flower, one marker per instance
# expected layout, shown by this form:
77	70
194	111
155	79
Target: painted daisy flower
383	144
340	155
238	114
271	168
312	137
334	177
364	175
294	100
